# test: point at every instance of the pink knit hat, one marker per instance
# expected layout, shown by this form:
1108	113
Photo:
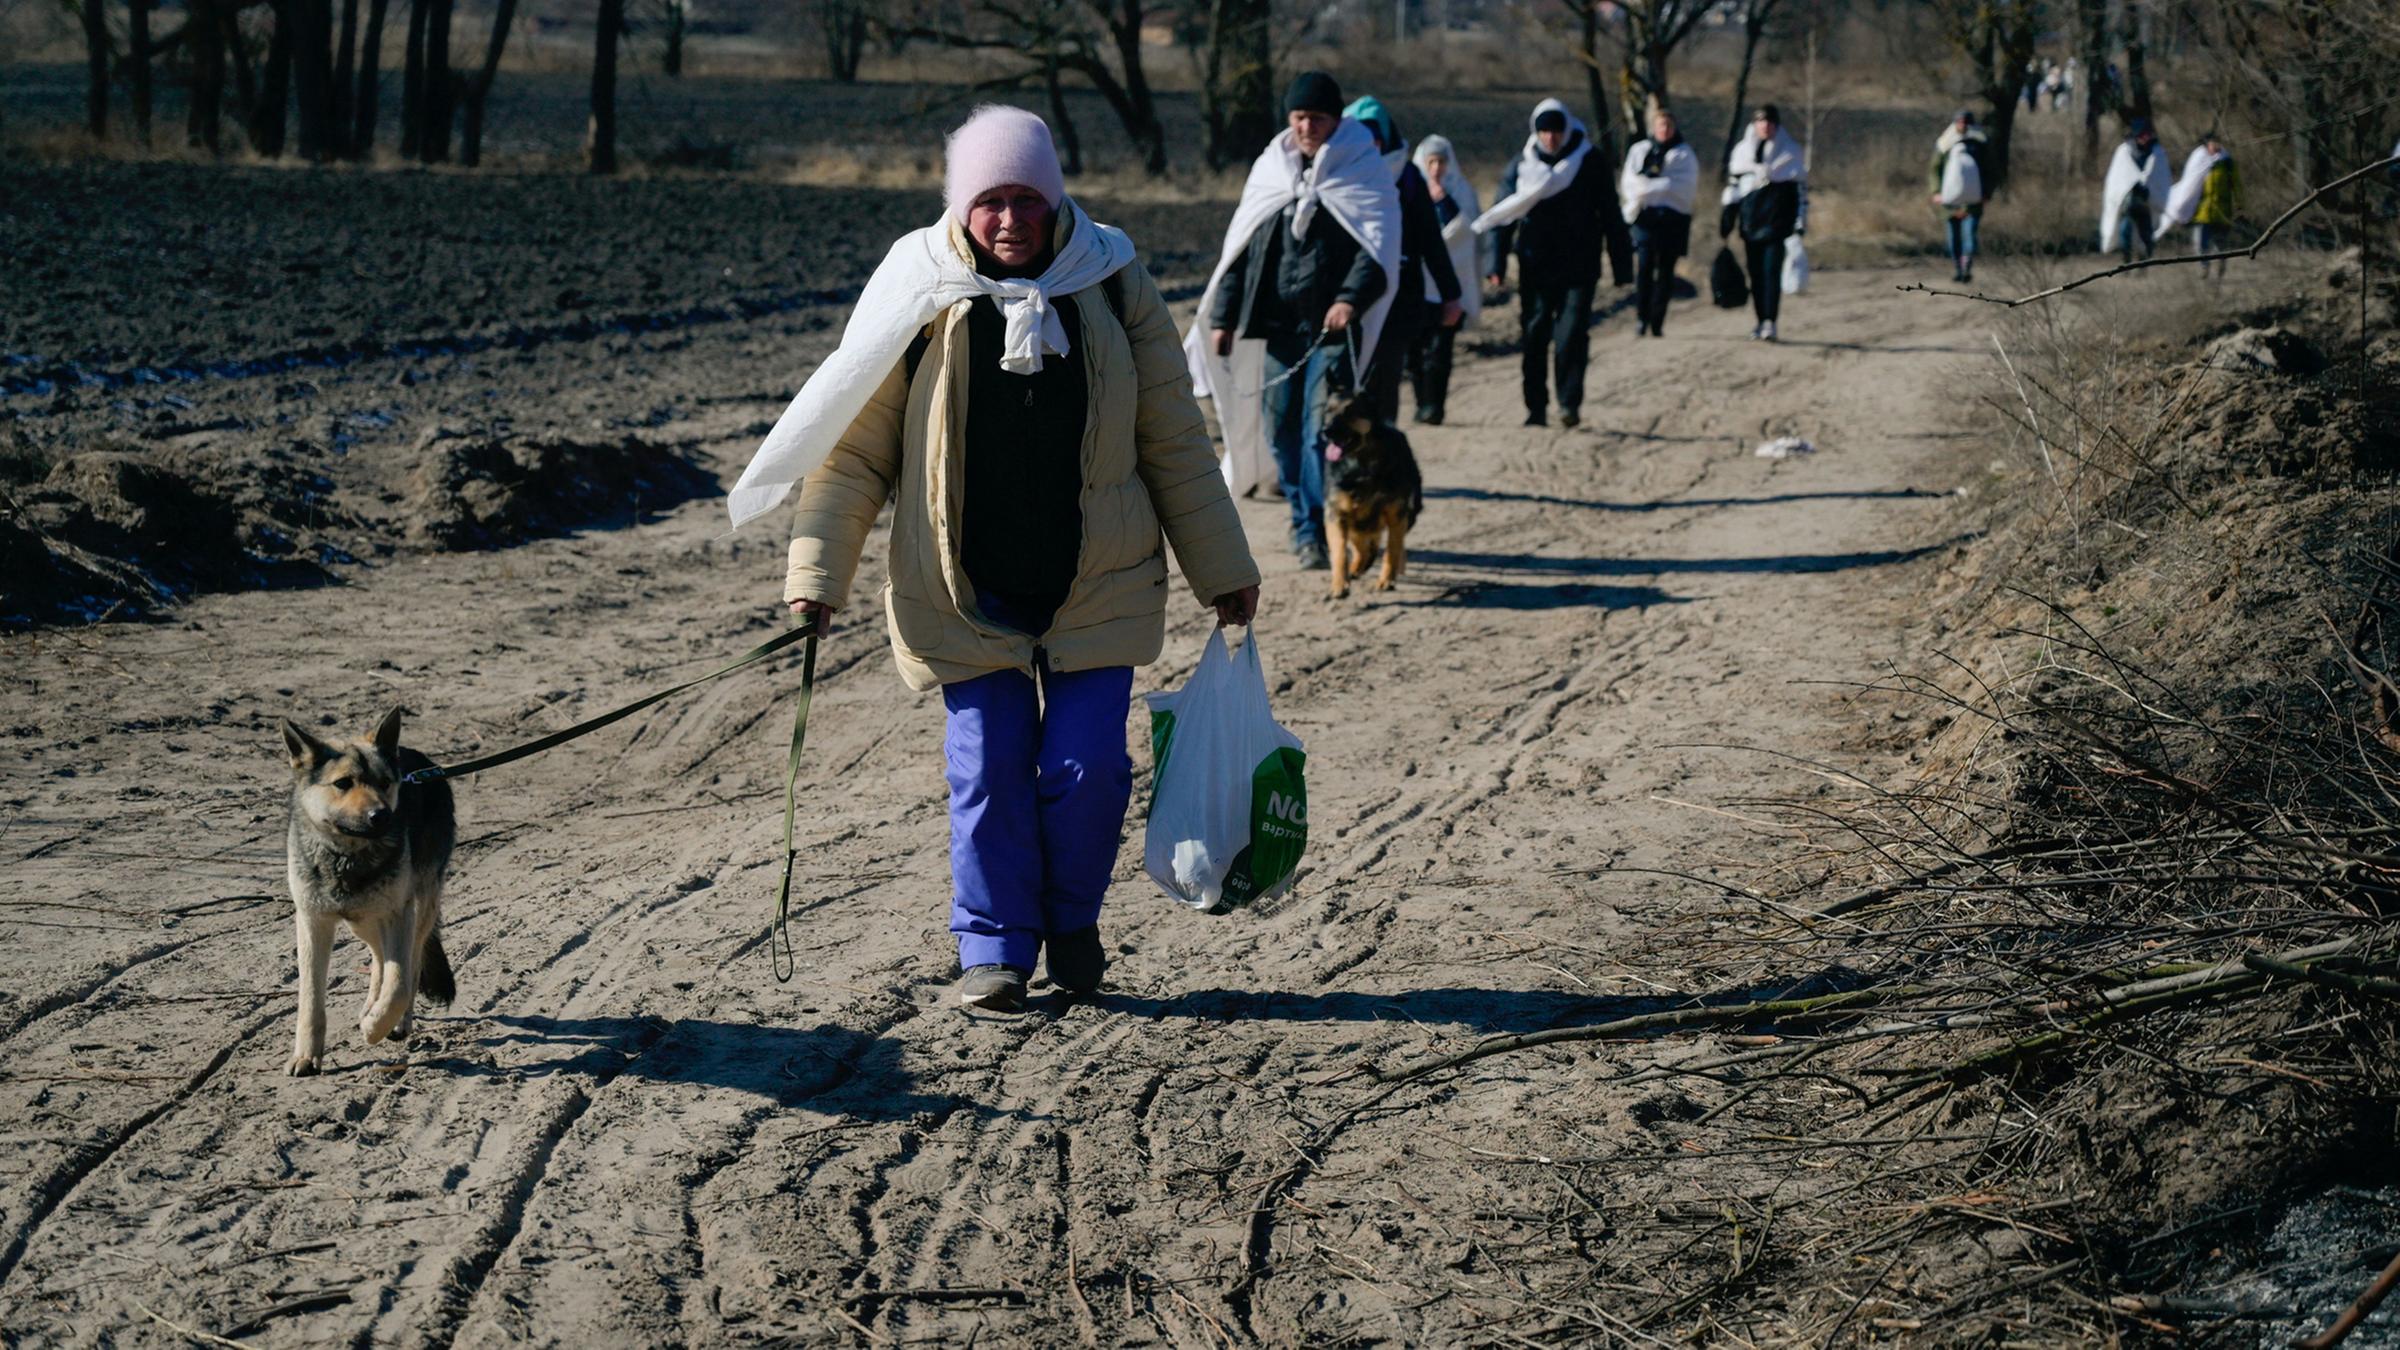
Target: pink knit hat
996	147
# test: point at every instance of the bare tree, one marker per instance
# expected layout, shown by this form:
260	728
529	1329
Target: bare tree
1997	38
674	19
270	109
2133	23
1237	79
843	23
1755	16
412	80
312	76
1071	37
203	114
97	53
600	135
2091	38
137	55
340	102
470	152
1652	32
438	101
370	81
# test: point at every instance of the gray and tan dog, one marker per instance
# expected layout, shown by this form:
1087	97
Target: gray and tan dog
371	851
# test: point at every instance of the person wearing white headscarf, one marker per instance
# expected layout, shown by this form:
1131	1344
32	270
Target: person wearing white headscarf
1453	192
1954	183
1766	182
1552	215
1297	304
1011	383
2134	197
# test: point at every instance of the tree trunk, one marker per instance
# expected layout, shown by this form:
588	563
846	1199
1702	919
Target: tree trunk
2091	36
1754	27
470	151
203	116
370	81
412	80
600	138
96	58
245	82
311	80
2137	64
137	35
1589	12
1125	26
1237	81
268	114
672	62
341	106
440	96
1070	145
844	26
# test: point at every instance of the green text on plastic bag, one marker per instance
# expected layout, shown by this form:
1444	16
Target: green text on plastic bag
1278	829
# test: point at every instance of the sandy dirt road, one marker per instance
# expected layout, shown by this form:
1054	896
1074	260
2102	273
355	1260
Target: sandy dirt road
625	1132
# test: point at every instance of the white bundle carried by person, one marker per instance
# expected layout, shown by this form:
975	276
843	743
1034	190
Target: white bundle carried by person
1228	796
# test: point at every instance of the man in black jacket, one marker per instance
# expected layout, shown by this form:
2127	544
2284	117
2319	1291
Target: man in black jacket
1300	296
1557	245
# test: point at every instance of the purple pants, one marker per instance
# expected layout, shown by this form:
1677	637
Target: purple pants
1038	791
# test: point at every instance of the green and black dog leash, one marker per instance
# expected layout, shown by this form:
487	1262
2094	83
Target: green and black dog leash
781	962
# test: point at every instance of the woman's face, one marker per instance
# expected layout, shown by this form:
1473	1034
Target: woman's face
1662	128
1436	169
1310	130
1762	128
1010	225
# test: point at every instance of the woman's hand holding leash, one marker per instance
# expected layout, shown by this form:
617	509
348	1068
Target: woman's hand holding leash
814	614
1235	610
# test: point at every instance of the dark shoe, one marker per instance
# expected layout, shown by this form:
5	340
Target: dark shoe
1535	419
1312	556
1570	418
1426	415
1076	960
1641	328
992	989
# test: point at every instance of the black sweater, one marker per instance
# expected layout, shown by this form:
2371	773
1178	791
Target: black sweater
1023	503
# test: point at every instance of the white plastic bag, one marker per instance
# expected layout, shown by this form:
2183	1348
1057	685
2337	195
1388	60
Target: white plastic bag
1795	266
1962	177
1228	802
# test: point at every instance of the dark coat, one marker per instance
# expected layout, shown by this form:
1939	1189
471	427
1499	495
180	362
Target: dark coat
1304	278
1559	242
1421	246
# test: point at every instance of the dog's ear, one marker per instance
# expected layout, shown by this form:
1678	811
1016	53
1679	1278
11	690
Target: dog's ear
307	751
387	734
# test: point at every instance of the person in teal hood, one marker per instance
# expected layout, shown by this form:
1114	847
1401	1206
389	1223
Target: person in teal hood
1427	276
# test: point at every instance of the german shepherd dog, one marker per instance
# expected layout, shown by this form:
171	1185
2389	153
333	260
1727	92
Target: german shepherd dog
1373	493
364	848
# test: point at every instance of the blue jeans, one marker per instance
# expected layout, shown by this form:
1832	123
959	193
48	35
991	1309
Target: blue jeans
1962	237
1295	415
1039	782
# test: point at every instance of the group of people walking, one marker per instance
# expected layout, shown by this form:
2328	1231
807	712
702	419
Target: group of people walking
1012	386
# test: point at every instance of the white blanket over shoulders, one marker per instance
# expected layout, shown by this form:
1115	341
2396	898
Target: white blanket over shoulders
1349	178
1459	235
921	276
1538	180
2123	177
2184	202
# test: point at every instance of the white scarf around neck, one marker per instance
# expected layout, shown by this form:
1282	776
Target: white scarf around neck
1538	180
922	276
1347	177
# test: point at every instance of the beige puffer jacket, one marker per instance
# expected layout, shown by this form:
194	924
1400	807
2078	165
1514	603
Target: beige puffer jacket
1148	464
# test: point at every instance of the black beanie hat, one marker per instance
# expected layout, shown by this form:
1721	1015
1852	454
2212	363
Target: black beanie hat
1313	91
1770	112
1550	119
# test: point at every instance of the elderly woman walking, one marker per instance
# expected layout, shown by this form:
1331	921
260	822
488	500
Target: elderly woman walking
1012	383
1455	208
